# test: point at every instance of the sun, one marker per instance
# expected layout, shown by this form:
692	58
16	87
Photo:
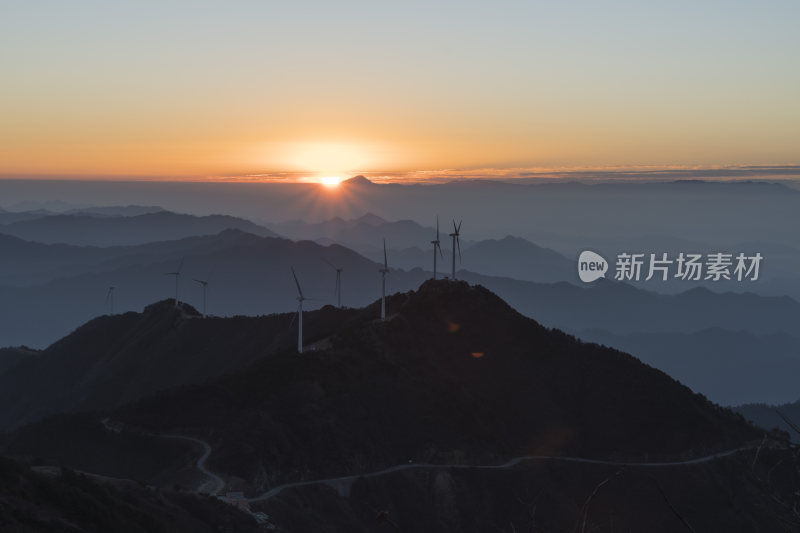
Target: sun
330	181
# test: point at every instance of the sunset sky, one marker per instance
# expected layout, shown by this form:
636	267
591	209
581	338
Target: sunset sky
209	88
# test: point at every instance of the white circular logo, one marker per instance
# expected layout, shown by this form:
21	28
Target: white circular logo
591	266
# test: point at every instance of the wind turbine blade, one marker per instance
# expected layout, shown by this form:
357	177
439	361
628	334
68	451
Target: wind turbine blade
180	265
788	421
331	264
440	250
437	227
458	229
458	243
385	261
299	290
455	229
108	295
294	317
200	281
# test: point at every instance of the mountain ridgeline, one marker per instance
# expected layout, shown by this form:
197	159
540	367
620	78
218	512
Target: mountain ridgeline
116	359
453	377
88	229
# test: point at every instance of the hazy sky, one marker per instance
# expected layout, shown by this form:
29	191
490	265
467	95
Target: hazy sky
199	88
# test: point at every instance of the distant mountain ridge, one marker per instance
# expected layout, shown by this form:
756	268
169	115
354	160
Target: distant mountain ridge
248	276
729	367
116	210
27	263
409	243
367	229
93	230
769	416
515	257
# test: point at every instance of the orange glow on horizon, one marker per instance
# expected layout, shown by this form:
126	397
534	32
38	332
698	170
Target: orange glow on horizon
281	88
330	182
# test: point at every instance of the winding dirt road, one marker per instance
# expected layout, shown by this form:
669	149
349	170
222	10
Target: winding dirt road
215	484
513	462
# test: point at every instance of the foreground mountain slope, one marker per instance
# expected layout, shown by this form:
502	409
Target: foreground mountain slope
113	360
744	493
66	501
455	376
10	357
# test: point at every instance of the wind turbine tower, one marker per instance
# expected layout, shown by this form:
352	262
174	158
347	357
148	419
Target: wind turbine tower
436	246
110	300
204	284
177	275
456	243
300	300
384	271
338	283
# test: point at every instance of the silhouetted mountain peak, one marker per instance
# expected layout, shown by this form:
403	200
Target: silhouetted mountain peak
116	210
370	219
238	235
357	180
167	306
457	297
455	313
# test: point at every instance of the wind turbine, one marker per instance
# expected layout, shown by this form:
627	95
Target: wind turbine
177	275
456	242
204	283
110	299
384	271
338	283
436	246
300	299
